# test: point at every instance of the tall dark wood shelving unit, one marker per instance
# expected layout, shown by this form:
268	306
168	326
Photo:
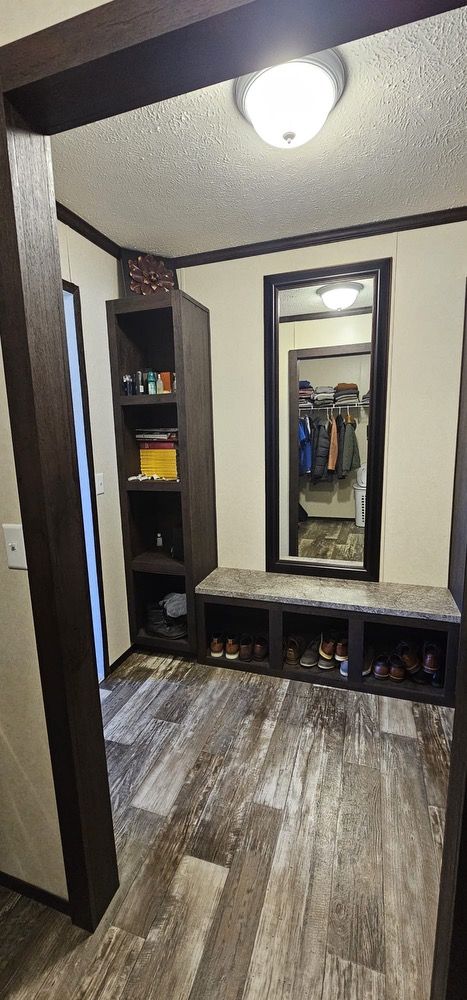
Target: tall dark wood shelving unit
165	334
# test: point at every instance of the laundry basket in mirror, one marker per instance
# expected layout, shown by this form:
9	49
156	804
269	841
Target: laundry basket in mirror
360	497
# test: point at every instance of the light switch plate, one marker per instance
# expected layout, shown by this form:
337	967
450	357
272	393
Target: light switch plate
14	543
99	483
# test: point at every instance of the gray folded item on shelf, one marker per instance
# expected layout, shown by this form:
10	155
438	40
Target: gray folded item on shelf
174	606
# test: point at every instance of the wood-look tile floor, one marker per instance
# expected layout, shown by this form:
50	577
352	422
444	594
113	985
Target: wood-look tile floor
331	538
276	841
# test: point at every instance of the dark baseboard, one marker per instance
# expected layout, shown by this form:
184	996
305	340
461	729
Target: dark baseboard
121	659
444	217
34	892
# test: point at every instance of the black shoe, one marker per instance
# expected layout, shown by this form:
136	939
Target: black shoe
421	677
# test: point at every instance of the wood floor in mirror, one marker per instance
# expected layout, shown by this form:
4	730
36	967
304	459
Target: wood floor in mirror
275	839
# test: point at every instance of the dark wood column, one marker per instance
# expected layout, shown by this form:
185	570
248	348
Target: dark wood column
39	398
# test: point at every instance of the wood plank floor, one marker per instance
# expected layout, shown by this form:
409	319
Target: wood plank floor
331	538
276	841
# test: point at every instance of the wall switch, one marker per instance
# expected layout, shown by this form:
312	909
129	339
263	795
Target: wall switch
99	483
14	543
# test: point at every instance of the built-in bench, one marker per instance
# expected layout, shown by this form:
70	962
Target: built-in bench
375	615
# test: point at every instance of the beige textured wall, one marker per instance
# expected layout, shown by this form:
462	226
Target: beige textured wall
18	19
426	339
96	274
30	845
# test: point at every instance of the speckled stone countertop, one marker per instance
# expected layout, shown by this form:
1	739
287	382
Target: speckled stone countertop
403	600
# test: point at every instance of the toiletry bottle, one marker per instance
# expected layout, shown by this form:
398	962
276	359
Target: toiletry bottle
159	385
151	384
139	382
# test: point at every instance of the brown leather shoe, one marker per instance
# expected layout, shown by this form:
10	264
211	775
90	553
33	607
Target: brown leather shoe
327	647
294	649
432	658
381	666
232	647
260	648
409	655
342	651
216	646
396	668
246	647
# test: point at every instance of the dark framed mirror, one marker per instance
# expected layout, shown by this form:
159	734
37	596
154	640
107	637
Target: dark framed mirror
326	366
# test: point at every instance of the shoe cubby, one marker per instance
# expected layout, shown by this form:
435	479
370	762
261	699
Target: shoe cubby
384	638
306	627
372	616
149	589
221	619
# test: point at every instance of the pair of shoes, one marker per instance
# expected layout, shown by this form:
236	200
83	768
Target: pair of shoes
296	651
243	648
333	649
406	660
388	665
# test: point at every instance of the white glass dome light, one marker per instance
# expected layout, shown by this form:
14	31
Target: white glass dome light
339	295
287	105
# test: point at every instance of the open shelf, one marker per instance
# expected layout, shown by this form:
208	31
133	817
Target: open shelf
313	675
145	400
157	561
156	643
154	486
404	689
254	666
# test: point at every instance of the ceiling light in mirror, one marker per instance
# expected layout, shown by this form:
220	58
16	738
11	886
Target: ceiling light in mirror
287	105
340	296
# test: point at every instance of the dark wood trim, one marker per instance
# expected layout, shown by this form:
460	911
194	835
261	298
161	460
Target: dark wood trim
450	954
380	271
399	225
34	892
39	399
329	314
121	659
458	546
85	229
335	351
71	73
74	290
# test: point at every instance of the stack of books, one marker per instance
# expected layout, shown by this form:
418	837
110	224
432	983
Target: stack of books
158	452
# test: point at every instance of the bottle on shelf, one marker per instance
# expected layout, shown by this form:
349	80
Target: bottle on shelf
159	386
151	384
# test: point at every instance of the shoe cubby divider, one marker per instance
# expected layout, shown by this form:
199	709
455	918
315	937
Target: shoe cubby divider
277	620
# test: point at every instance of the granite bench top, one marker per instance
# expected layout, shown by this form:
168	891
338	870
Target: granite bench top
399	599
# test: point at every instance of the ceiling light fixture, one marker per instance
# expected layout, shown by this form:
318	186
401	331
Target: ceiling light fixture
288	104
337	296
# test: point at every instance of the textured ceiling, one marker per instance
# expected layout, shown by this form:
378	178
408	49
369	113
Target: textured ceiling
190	174
301	301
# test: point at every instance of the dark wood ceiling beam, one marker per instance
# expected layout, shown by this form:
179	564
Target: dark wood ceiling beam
65	76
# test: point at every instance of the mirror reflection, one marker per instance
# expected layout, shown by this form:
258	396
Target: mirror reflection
325	344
